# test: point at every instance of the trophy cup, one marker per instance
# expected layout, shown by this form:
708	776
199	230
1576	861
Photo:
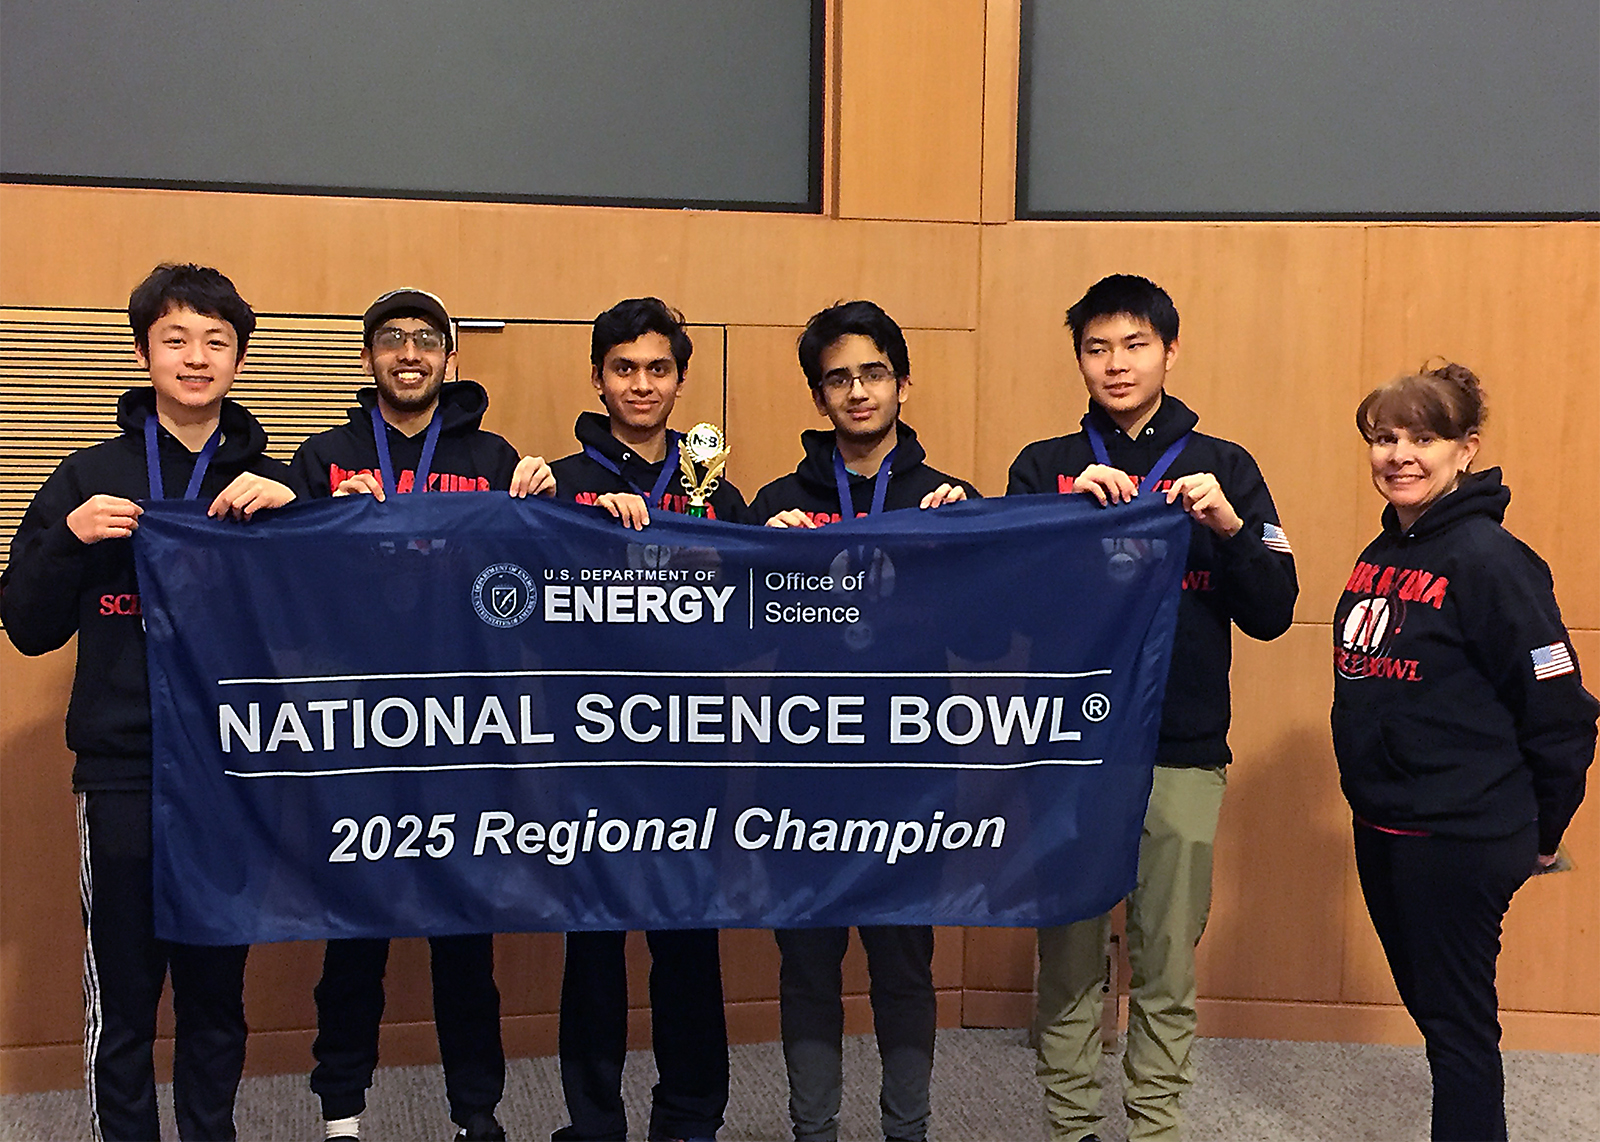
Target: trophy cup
703	445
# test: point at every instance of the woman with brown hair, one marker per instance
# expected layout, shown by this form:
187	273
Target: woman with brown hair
1460	724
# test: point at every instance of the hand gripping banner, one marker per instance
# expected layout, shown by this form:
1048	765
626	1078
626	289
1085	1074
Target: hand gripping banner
468	713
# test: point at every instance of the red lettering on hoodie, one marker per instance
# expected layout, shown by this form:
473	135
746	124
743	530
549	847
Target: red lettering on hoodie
1409	584
674	502
437	481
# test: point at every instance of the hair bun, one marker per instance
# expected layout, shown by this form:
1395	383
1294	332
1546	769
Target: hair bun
1467	385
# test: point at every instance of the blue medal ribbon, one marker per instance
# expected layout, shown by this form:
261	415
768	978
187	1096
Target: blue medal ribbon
1157	470
380	434
668	467
880	484
152	461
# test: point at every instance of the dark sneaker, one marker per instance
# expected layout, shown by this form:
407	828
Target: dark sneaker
482	1128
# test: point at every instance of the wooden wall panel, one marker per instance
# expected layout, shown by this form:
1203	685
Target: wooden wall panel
911	109
942	402
41	934
89	246
1269	356
735	269
1002	52
1276	921
1521	306
1001	959
768	404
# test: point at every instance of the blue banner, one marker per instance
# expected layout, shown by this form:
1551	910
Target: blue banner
468	713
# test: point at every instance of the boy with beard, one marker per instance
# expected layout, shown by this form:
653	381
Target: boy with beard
72	572
855	360
416	429
629	464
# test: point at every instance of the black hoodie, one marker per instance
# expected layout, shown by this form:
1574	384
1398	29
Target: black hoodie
814	489
1458	707
56	585
583	479
1248	579
467	458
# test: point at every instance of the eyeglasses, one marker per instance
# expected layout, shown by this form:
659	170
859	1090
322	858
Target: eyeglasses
870	376
390	338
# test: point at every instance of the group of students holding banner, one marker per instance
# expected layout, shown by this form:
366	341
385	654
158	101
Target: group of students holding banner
1463	763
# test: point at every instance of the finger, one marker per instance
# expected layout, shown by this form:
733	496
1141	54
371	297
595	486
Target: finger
244	502
1089	487
611	505
546	484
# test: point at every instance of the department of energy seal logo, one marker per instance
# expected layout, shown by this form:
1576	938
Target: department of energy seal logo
504	595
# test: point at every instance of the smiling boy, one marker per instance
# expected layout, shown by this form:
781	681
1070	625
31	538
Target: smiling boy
417	429
72	572
856	362
628	465
1138	439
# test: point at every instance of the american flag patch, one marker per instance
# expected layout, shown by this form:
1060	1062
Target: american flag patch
1272	535
1551	661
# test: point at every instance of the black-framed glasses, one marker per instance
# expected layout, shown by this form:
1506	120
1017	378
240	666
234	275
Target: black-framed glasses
870	376
390	338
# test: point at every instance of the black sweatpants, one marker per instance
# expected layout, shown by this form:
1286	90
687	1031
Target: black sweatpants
466	1015
689	1033
905	1016
1437	903
124	969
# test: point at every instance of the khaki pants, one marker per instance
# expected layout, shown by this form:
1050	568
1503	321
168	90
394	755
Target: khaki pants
1167	912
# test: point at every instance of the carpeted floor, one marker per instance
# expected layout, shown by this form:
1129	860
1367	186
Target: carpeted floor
1245	1089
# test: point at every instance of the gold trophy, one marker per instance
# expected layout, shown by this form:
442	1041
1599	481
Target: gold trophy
703	445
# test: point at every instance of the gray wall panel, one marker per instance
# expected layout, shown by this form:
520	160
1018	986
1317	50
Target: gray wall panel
702	101
1313	107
